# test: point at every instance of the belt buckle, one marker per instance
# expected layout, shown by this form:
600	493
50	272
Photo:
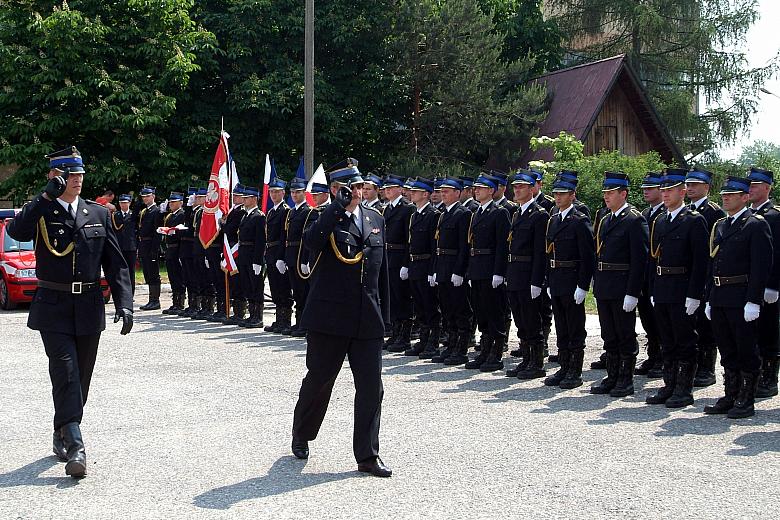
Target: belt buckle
658	270
75	288
600	266
471	252
717	281
552	264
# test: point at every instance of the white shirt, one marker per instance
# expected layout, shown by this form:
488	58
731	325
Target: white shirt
420	210
484	206
67	206
655	208
736	215
618	212
276	206
565	212
756	208
448	208
300	204
356	217
699	202
676	212
395	201
524	206
502	199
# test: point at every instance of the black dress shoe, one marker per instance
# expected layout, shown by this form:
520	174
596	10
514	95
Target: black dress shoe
300	448
375	466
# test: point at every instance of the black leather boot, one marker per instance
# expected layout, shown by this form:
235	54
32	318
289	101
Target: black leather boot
600	363
612	364
746	398
665	392
403	341
449	347
705	373
416	349
535	367
58	446
154	299
273	327
520	350
76	465
484	343
394	330
192	305
731	386
683	385
560	375
767	383
285	320
174	304
625	382
524	352
253	321
459	355
219	315
428	351
494	360
206	308
573	377
233	318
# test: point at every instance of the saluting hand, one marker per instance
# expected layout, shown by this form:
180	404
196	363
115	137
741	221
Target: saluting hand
344	197
55	187
126	315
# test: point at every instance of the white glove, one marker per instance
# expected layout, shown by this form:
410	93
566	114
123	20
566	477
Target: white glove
708	311
432	280
579	295
256	269
652	301
629	303
456	280
305	269
191	200
207	263
497	280
691	305
535	292
281	266
404	273
770	295
752	311
164	206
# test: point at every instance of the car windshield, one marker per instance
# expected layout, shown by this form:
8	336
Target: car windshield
12	246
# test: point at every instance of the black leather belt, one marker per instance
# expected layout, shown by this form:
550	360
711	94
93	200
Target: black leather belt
520	258
396	247
294	244
730	280
479	252
73	288
563	264
447	252
171	246
605	266
661	270
273	244
144	238
414	258
186	239
242	243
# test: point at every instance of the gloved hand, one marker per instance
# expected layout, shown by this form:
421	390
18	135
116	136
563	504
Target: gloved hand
126	315
691	305
404	273
432	280
579	295
256	269
708	311
191	200
281	266
207	263
305	269
456	280
652	301
55	187
770	295
752	311
164	206
496	281
343	197
629	303
535	292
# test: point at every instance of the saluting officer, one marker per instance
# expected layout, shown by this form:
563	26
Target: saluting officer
621	256
741	252
74	238
294	255
251	252
652	366
345	315
125	228
487	238
761	182
697	187
173	218
238	296
371	186
571	259
279	282
149	219
525	273
680	260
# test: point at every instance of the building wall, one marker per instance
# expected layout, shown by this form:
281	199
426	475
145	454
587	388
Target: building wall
617	127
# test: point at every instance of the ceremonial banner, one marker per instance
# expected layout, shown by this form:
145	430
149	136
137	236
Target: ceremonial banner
217	201
318	177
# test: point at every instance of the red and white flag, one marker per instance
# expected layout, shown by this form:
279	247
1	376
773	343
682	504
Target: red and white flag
229	256
217	201
318	177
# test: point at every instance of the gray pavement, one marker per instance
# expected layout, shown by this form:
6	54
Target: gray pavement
192	420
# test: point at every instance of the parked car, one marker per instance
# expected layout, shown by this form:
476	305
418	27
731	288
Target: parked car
18	281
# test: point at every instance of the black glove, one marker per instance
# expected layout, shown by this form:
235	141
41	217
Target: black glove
126	315
344	197
55	187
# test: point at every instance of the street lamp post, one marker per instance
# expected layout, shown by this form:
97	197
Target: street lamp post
308	85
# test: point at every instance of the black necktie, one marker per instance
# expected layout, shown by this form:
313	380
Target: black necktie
72	211
692	207
727	224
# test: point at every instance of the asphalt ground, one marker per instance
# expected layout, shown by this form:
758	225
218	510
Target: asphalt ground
188	419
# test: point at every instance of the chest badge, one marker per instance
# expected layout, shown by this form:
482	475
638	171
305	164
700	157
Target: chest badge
85	211
56	212
61	231
375	231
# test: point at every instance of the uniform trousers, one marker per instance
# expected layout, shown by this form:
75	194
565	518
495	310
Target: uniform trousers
490	308
130	258
527	312
647	316
150	264
426	302
71	361
569	323
737	339
175	271
251	284
769	330
618	328
200	279
216	274
677	332
280	287
300	290
324	357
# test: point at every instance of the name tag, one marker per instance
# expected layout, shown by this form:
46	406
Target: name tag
92	225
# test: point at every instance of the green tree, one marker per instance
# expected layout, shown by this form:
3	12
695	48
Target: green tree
762	154
683	51
102	75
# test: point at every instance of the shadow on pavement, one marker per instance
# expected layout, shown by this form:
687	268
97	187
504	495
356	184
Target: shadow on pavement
284	476
29	475
756	443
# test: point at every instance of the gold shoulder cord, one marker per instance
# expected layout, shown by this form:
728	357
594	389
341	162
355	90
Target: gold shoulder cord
287	221
598	235
714	250
113	221
141	216
300	248
410	226
165	220
654	253
41	230
511	225
471	234
549	246
436	234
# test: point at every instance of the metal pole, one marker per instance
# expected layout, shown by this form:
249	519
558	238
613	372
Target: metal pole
308	140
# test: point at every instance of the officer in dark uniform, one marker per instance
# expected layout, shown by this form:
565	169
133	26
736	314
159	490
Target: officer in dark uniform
525	274
345	315
467	195
251	252
371	186
571	260
761	182
74	238
123	222
186	243
500	197
741	252
149	219
652	366
547	203
680	259
418	265
697	187
216	277
294	255
397	214
542	199
205	290
621	256
279	282
238	296
488	247
174	217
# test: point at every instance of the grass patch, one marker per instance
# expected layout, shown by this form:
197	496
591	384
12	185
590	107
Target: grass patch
139	275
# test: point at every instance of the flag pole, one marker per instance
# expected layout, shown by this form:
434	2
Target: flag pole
230	195
308	90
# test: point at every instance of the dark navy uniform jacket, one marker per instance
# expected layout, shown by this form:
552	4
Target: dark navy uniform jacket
173	241
622	241
570	240
68	251
294	227
650	217
452	247
526	260
125	230
470	205
396	233
251	238
149	219
771	214
488	243
711	212
232	221
422	243
347	297
275	234
546	202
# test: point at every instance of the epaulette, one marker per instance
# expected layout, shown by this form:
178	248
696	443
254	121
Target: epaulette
91	202
760	217
635	212
713	205
776	208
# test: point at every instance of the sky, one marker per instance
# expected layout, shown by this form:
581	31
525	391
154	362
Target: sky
762	45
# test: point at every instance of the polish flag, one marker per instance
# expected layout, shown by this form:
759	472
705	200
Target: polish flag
318	177
218	195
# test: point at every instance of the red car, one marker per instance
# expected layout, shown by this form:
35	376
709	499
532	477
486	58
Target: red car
18	282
